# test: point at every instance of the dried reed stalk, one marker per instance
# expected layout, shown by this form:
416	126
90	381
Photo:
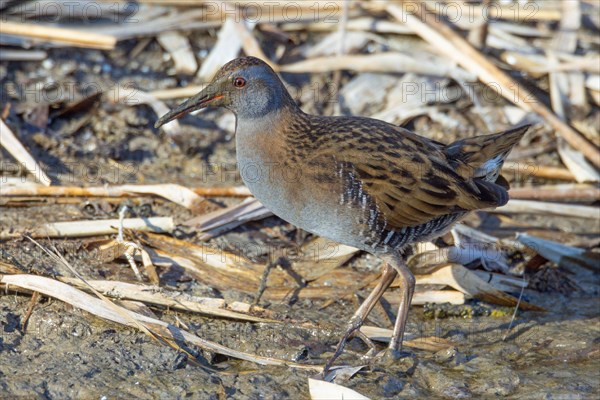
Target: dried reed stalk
54	34
121	191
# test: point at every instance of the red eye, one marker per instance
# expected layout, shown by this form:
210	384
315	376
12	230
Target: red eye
239	82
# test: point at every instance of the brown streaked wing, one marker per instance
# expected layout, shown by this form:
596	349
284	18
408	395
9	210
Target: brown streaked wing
411	194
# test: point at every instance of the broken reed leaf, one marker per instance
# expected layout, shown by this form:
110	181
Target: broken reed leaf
368	91
502	282
592	83
508	224
469	245
323	390
220	221
560	254
227	191
11	143
178	46
408	97
308	292
429	261
577	164
342	373
466	281
477	245
226	49
137	307
174	300
227	271
462	232
346	278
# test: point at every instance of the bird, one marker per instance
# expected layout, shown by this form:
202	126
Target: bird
358	181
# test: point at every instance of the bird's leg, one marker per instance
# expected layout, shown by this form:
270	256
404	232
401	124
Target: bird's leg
407	288
284	263
263	280
387	277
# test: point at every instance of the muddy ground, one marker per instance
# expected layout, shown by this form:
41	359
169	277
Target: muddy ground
67	353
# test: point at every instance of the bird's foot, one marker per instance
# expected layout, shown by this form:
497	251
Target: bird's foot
352	330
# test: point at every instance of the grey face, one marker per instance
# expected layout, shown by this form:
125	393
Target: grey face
262	92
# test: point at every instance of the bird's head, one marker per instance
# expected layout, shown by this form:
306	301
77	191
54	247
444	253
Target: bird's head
247	86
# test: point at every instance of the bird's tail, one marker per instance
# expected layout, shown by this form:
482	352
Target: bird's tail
482	156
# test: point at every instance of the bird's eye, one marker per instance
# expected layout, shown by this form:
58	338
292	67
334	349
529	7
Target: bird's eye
239	82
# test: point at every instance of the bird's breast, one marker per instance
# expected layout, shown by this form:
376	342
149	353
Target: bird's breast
287	185
266	169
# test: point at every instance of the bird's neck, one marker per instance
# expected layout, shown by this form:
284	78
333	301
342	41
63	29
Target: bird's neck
271	123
